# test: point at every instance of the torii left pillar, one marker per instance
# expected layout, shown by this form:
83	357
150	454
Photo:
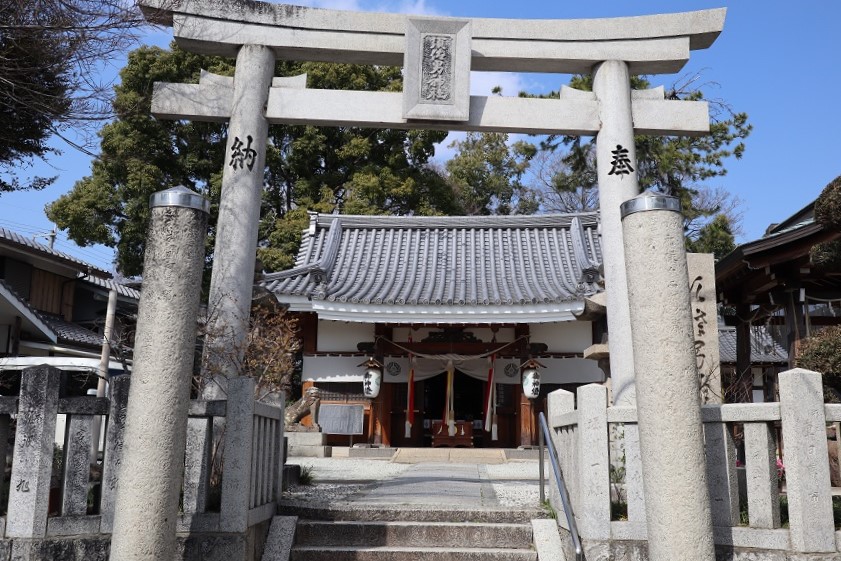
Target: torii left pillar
234	255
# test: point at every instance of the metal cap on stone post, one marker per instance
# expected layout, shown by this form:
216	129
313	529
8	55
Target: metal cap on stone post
149	484
668	400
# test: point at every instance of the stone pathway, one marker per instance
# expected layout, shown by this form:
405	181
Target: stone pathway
442	485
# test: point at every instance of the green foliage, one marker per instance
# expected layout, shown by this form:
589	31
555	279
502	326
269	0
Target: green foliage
323	169
677	166
826	257
34	86
307	476
715	237
487	175
549	509
51	58
141	155
828	205
822	353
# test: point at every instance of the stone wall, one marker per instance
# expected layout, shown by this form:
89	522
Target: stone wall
61	504
751	530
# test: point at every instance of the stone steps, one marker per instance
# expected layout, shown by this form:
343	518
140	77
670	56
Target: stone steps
410	554
413	534
401	513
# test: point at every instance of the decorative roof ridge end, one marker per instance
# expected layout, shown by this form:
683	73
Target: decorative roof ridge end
321	269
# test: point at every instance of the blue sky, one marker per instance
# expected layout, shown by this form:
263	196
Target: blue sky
778	63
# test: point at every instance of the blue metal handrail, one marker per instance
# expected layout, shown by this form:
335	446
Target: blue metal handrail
546	440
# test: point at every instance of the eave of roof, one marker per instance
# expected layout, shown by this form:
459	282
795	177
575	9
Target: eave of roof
27	312
126	292
372	313
16	241
774	248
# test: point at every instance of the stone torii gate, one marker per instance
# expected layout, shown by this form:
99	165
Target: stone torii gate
437	55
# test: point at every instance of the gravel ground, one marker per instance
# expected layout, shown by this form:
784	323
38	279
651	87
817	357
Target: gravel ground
337	479
517	494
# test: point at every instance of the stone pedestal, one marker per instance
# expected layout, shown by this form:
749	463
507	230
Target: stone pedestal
307	443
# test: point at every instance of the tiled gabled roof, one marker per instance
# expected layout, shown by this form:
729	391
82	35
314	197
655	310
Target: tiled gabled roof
763	348
8	237
524	263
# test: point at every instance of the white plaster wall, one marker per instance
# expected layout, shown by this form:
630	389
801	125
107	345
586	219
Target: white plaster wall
342	337
563	337
570	371
332	369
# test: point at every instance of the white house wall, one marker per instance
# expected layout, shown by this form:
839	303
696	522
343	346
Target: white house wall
342	337
563	337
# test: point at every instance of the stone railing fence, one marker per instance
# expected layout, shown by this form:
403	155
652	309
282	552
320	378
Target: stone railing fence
46	503
596	470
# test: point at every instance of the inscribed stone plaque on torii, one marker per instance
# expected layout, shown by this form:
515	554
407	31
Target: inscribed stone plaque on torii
436	67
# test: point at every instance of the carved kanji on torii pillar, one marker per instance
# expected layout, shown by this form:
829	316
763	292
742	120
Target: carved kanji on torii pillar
437	55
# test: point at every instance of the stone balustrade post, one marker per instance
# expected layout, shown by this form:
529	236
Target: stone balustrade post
722	478
762	481
811	525
118	388
559	403
77	452
236	478
33	454
197	464
593	510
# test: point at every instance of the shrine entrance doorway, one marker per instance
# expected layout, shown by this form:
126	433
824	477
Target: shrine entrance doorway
469	393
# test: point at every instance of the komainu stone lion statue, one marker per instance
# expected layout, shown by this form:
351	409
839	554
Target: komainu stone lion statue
307	405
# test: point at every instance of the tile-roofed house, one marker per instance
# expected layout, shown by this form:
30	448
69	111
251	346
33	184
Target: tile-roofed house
774	279
53	304
482	268
767	359
452	292
15	242
763	348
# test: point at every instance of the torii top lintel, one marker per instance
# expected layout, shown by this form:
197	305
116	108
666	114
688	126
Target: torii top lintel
654	44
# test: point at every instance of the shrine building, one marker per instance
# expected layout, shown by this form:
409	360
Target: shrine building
456	304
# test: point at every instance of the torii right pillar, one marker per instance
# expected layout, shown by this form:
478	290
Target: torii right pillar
616	165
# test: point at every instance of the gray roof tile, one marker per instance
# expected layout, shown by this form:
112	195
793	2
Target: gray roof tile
109	284
31	246
763	348
71	332
445	261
